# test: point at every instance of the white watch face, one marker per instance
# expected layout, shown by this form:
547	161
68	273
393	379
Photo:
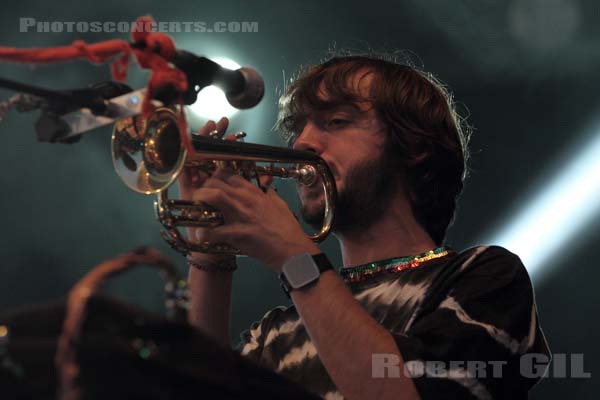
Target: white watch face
300	271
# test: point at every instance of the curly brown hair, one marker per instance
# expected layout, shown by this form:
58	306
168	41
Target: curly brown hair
426	135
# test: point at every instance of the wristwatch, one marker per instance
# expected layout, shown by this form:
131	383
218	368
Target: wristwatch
303	270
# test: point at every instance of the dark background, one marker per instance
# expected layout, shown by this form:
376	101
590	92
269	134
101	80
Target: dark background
526	70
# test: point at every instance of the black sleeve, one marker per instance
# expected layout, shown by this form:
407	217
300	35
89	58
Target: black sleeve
477	336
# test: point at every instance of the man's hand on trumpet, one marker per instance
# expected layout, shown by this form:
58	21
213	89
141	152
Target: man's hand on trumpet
259	224
191	179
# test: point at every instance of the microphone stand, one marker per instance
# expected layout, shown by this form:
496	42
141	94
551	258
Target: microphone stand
50	127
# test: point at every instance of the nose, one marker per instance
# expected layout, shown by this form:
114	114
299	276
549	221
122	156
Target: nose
310	139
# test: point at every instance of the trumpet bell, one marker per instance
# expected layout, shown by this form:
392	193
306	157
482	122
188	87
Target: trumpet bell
147	152
148	156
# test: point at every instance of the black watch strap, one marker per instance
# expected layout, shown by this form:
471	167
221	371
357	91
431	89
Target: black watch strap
303	270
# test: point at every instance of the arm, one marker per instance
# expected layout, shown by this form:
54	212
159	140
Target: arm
210	303
210	289
346	337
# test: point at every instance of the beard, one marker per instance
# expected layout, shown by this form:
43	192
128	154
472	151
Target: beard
368	191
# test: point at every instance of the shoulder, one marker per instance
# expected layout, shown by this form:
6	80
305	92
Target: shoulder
490	260
490	274
486	253
481	271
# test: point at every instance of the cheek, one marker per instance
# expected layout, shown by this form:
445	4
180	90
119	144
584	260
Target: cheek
339	185
350	154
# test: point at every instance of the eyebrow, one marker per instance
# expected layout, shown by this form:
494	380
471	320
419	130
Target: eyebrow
348	107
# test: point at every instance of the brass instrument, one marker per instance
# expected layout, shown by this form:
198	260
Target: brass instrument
148	156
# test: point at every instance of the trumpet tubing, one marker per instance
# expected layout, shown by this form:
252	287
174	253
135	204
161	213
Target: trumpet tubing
148	156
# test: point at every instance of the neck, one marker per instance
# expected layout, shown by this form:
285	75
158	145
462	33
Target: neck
394	234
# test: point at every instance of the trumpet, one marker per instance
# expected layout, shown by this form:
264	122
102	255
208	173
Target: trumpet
148	156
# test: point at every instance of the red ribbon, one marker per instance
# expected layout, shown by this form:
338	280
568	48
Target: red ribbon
155	53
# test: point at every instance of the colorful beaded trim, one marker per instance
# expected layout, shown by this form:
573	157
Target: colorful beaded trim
392	265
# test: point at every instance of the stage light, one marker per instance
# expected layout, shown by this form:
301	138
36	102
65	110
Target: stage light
553	218
211	102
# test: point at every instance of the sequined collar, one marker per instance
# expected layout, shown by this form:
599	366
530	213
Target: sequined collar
363	272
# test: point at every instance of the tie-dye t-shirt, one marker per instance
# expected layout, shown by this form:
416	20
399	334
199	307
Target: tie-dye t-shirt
466	326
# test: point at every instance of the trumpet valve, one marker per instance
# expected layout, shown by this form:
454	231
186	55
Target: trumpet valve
307	175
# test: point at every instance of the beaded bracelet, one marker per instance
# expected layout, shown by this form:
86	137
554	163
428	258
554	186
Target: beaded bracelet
227	267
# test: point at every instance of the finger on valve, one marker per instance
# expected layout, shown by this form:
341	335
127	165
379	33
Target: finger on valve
193	177
217	129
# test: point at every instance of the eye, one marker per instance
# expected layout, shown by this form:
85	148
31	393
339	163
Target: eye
337	122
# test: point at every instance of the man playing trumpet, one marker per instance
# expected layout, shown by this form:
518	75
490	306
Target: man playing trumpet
405	317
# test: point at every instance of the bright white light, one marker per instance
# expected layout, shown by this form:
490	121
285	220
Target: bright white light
557	214
211	102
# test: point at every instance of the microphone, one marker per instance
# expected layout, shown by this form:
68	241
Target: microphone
244	87
68	114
